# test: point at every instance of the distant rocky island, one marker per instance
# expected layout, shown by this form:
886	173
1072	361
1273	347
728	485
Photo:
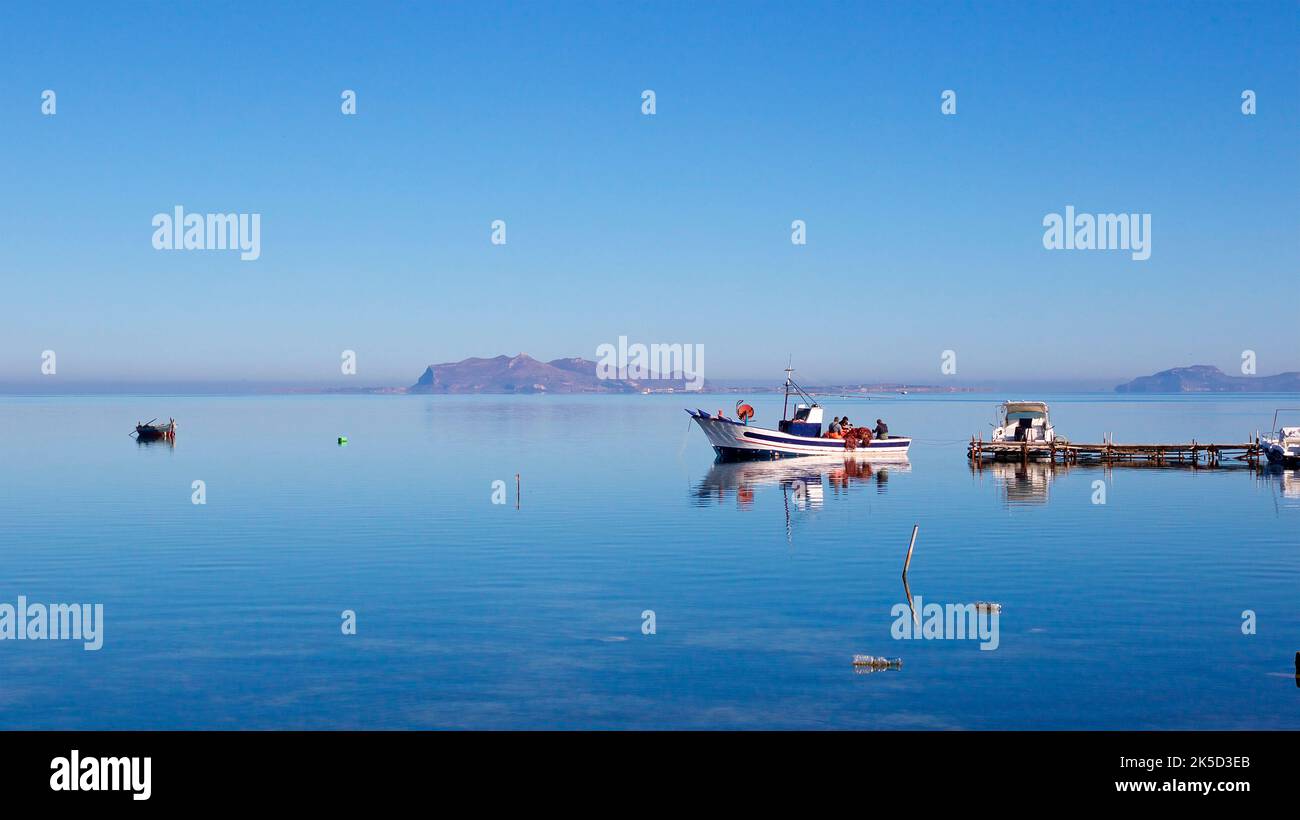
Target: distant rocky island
524	374
1204	378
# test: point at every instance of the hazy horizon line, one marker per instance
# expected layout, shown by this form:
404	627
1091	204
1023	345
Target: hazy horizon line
102	386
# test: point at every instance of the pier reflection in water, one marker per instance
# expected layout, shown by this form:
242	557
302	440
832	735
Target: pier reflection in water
1022	483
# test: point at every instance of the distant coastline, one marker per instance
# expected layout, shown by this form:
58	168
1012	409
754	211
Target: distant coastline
524	375
1204	378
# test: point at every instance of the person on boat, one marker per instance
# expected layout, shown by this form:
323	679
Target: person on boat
846	425
835	428
882	429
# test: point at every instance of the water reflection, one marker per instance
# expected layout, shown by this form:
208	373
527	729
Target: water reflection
1285	483
806	482
1021	482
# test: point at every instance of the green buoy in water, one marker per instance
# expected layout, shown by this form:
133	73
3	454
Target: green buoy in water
343	440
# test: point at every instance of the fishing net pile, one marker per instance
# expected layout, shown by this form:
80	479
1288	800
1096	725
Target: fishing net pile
857	437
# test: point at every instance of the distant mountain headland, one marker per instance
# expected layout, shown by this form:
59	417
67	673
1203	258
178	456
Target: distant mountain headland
1204	378
524	374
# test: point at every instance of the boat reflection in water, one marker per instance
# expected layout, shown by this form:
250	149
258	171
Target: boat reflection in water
162	443
1286	483
1021	482
804	482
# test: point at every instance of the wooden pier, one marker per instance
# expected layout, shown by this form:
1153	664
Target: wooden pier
1193	454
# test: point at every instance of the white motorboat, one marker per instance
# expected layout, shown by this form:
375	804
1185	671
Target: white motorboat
1282	447
1023	421
799	434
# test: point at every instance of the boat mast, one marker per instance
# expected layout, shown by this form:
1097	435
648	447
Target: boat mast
785	407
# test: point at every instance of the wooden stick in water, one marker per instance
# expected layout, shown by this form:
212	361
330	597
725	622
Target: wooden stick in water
910	547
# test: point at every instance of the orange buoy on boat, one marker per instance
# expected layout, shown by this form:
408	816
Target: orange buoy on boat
743	411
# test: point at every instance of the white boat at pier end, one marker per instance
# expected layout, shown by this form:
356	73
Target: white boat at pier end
1024	421
1281	446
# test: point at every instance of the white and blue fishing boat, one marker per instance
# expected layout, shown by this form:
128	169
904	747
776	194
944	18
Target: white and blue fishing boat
797	434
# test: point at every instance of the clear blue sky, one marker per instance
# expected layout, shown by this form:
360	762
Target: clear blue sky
924	231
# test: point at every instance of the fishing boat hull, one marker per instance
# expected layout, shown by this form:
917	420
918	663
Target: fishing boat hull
738	441
155	432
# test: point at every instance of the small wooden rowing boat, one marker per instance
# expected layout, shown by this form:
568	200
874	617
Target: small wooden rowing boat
152	432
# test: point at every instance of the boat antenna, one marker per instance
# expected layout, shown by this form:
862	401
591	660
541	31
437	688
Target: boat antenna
790	382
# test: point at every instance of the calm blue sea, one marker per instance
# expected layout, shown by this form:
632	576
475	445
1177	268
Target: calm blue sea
764	580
